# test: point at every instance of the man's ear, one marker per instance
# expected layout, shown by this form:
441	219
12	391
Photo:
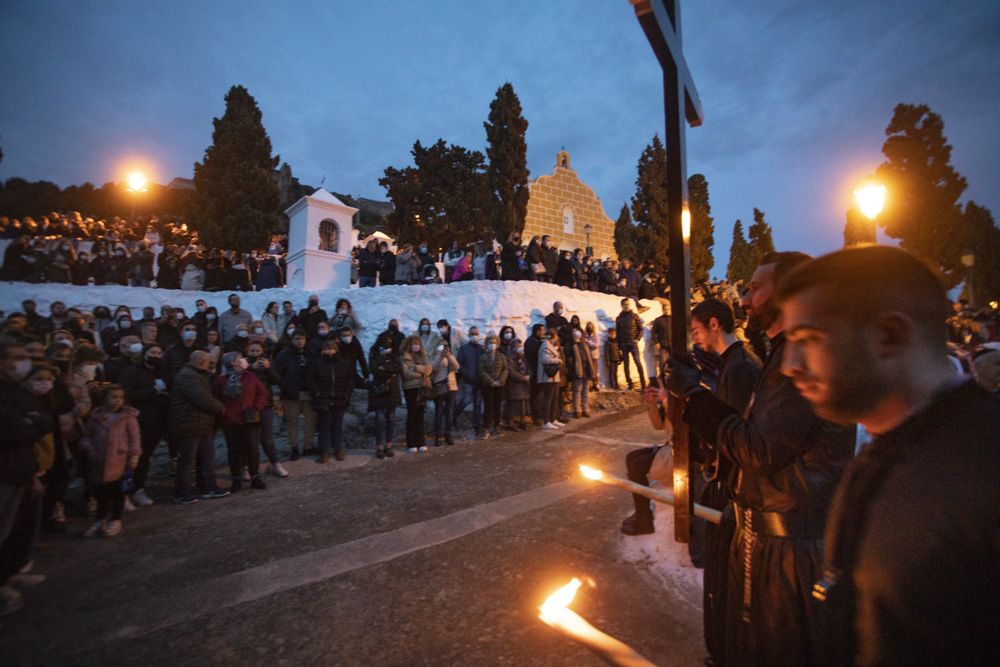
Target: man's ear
894	331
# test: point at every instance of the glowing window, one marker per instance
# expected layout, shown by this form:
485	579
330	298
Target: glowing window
329	236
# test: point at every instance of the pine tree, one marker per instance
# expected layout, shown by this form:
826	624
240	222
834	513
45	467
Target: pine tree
235	203
761	238
858	228
984	240
649	206
508	162
624	235
444	197
741	260
702	228
922	210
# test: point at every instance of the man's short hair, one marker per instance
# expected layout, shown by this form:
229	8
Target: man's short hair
720	310
861	282
784	262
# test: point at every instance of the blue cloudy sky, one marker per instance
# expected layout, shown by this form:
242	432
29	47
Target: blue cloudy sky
797	93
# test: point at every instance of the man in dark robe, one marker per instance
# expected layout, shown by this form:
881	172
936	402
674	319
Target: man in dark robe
787	463
912	546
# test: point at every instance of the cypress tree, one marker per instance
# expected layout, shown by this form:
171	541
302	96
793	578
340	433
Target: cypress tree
625	235
508	162
649	206
761	238
741	261
702	228
235	203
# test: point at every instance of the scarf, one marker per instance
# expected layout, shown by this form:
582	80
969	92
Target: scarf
234	385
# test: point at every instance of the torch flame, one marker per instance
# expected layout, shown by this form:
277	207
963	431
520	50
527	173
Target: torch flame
591	473
686	223
559	600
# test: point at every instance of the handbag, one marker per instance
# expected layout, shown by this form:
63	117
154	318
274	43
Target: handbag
551	369
251	416
439	388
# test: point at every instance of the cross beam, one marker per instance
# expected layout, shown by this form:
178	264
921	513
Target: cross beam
661	22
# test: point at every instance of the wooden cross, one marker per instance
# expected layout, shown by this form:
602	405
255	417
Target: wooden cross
661	21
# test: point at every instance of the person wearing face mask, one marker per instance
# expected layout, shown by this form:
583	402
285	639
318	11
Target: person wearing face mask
581	372
392	338
470	390
593	342
383	395
100	267
312	316
193	414
330	381
492	368
269	321
238	343
178	354
79	269
234	318
261	366
351	348
518	388
124	326
130	348
244	398
531	347
291	365
315	344
81	380
287	317
506	338
450	334
146	391
24	426
630	331
405	261
416	373
344	316
118	267
444	388
428	337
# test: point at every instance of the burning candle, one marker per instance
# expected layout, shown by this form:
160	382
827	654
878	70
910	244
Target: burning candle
555	613
659	495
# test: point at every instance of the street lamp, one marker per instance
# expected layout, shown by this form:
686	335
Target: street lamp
586	230
969	262
870	199
136	181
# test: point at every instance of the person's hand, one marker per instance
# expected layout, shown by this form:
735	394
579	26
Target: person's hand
684	379
159	385
654	395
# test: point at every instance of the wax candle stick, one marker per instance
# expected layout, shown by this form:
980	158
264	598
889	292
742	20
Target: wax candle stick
665	496
555	613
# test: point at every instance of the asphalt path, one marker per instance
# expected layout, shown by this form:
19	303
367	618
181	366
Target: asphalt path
438	558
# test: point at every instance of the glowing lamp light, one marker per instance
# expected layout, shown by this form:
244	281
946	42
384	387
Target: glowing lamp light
136	181
870	199
686	224
591	473
994	305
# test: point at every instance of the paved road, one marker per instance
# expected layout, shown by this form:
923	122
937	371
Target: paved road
430	559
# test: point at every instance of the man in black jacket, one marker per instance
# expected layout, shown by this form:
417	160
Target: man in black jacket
312	316
629	327
531	357
912	544
193	413
291	365
179	353
787	463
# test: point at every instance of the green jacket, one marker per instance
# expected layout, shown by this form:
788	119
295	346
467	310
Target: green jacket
193	408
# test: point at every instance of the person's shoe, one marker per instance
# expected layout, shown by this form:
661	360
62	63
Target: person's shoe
631	387
379	453
245	474
112	528
585	414
217	493
188	499
258	483
549	426
10	600
141	499
558	424
94	529
483	435
128	506
437	442
576	415
323	458
412	450
235	487
448	440
295	454
340	455
423	448
523	426
278	470
26	580
495	431
389	453
632	525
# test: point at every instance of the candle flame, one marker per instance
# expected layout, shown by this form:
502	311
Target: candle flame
559	600
591	473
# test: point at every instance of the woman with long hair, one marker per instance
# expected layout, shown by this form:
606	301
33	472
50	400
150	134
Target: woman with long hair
417	371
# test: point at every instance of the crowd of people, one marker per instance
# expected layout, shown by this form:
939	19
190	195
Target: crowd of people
158	252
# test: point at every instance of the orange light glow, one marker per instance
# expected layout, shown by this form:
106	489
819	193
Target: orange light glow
686	224
559	601
591	473
136	181
870	199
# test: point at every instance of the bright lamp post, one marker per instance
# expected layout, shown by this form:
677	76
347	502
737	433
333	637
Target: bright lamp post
870	199
136	181
586	230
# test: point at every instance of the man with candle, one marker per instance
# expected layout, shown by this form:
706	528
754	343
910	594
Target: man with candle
911	549
787	462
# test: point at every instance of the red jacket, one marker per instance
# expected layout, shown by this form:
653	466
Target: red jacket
254	395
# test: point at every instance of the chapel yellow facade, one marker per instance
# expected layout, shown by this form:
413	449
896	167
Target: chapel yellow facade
562	206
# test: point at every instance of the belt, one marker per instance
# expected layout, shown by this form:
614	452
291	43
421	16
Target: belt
779	524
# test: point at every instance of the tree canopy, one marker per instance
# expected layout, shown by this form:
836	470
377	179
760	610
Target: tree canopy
702	228
445	196
649	206
507	151
624	234
741	256
761	238
236	200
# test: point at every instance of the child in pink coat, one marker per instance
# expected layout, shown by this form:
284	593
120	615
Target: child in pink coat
112	445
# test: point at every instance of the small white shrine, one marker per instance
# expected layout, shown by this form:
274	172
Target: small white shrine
320	234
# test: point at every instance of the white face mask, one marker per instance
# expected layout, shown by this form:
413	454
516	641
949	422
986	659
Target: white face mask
201	309
259	331
508	336
41	387
21	369
242	334
124	324
89	371
443	331
189	335
210	316
135	348
473	338
440	348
